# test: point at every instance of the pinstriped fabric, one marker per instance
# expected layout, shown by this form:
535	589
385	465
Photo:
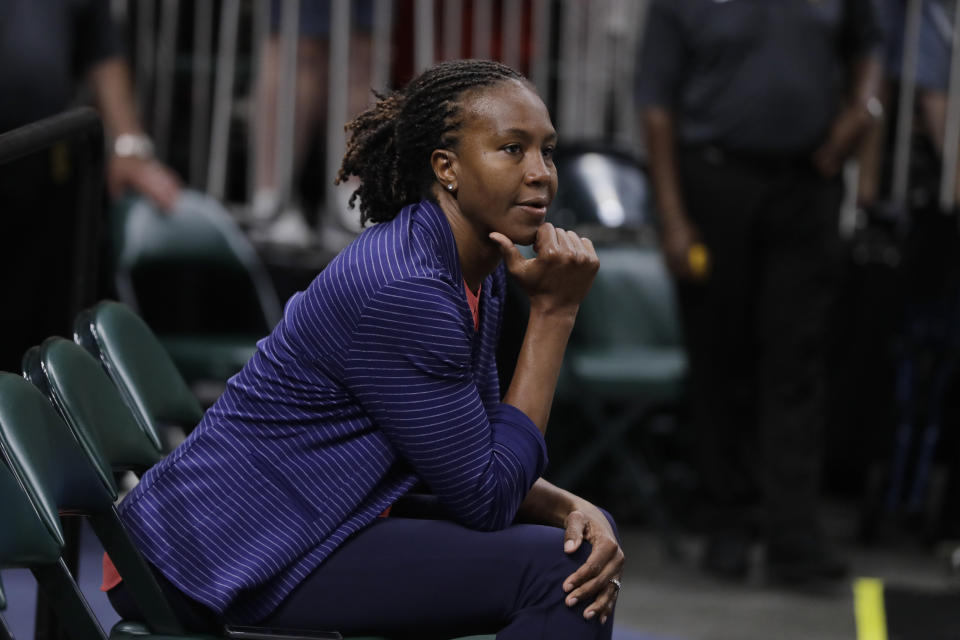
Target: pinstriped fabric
374	378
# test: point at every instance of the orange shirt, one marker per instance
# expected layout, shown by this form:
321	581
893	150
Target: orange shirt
473	299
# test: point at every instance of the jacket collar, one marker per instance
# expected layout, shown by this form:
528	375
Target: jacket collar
429	214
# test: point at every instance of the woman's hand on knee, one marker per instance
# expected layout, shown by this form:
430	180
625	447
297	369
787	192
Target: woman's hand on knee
599	576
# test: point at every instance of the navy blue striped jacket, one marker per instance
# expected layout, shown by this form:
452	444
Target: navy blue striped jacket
374	378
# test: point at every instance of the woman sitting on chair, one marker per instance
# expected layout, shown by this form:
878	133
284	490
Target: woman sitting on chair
381	376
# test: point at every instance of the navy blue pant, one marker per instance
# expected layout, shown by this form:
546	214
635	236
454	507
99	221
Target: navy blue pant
755	332
424	579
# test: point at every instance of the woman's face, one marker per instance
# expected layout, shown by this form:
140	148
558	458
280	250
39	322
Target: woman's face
503	165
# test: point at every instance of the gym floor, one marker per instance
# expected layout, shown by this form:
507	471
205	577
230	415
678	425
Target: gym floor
664	599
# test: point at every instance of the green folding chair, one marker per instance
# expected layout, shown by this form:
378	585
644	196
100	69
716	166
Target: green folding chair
101	423
196	280
27	543
59	476
91	406
104	427
625	363
63	475
148	380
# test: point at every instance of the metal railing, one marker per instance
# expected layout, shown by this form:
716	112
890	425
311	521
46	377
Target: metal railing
580	54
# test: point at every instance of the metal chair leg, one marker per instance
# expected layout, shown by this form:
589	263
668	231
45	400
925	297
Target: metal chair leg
610	430
609	433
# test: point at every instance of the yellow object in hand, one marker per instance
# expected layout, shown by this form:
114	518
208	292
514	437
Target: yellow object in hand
699	260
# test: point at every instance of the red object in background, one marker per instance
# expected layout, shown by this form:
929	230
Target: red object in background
403	36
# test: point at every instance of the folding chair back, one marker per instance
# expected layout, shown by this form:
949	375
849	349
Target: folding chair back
44	456
194	276
137	363
27	542
603	192
631	302
60	476
91	406
627	342
24	540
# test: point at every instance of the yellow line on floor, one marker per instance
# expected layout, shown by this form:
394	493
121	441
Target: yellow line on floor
868	609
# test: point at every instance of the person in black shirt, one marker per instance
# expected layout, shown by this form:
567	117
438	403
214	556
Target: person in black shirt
750	109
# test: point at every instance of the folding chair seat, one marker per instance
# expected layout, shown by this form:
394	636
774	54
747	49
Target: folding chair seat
197	280
149	381
624	363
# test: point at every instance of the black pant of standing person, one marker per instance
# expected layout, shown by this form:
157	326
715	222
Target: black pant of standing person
755	335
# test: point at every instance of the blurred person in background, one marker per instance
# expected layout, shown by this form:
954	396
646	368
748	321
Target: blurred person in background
933	68
311	97
932	79
915	466
749	110
50	50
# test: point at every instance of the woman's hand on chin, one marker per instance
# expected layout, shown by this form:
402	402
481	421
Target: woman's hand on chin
560	275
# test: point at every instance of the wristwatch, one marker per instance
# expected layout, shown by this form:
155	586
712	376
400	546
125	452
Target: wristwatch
133	145
874	107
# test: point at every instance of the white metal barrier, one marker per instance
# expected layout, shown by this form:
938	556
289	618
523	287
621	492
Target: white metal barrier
580	54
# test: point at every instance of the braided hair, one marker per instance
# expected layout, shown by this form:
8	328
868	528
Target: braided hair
390	143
